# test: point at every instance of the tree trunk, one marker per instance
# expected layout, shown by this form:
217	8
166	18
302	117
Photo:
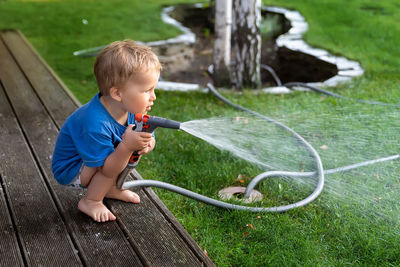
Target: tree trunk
222	43
246	43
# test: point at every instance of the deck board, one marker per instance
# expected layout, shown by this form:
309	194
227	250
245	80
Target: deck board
173	222
145	234
153	234
37	221
10	254
49	89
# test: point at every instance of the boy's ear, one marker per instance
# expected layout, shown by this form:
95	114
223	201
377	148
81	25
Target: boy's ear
115	93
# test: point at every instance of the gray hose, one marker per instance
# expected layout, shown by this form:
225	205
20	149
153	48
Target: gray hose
250	187
317	191
320	173
273	74
290	85
265	175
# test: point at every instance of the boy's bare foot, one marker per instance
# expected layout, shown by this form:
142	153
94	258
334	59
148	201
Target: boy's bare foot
123	194
96	210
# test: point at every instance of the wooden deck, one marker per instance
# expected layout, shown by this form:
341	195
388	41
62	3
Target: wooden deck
40	224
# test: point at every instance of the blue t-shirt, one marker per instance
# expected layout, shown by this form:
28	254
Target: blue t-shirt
89	136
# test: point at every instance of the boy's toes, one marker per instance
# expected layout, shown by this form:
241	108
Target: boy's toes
106	216
135	198
112	217
100	217
103	217
97	217
96	210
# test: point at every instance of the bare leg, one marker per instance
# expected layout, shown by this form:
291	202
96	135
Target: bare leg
98	186
114	192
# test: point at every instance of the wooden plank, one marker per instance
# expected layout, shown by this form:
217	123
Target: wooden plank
153	235
98	244
174	223
178	245
39	225
48	86
10	254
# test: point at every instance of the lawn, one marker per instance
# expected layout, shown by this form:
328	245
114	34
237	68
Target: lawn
354	221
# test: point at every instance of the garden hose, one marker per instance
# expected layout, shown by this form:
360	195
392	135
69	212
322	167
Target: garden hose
290	85
273	74
221	204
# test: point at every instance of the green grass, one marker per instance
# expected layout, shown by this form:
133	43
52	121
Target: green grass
326	232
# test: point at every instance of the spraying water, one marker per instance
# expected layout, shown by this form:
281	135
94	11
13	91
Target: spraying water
342	137
252	139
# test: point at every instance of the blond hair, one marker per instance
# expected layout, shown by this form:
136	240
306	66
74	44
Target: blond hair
120	60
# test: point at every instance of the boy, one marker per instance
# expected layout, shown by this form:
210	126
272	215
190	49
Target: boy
96	141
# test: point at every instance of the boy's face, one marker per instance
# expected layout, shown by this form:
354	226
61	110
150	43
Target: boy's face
137	94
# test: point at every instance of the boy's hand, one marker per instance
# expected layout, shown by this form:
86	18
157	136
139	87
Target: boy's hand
149	148
135	141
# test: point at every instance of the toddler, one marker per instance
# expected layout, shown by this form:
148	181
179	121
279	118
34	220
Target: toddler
96	141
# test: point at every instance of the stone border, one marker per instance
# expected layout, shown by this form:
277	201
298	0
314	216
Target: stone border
292	40
187	37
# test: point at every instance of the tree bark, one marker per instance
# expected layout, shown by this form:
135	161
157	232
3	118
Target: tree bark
222	43
246	43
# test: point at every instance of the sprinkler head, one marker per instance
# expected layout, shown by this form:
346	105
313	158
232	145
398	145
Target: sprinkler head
237	192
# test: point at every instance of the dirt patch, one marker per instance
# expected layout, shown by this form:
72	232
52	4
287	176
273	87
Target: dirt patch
289	65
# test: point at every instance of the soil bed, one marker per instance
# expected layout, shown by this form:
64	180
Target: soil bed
289	65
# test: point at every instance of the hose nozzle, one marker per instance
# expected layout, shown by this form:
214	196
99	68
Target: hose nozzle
144	123
150	123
